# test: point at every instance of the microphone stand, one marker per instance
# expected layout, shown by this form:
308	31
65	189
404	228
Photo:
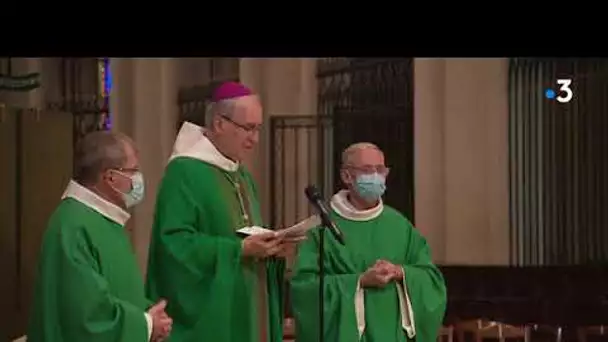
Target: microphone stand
314	196
321	283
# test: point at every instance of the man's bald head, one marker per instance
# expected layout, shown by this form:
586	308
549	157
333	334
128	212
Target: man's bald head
354	153
98	152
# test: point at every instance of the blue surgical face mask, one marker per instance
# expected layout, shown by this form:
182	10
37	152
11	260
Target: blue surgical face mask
370	186
136	194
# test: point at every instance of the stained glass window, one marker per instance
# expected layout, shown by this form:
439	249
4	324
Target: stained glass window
105	89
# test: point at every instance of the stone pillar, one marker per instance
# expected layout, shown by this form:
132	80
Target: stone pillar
252	74
192	71
287	86
144	106
17	270
476	161
32	98
36	148
429	152
461	159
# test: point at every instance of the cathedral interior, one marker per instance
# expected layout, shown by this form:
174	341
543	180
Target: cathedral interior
508	185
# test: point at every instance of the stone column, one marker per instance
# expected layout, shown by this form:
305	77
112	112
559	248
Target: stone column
429	152
32	98
16	270
476	162
144	106
36	148
252	74
192	71
461	114
287	86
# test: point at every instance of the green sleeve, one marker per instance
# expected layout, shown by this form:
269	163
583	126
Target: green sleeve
426	289
89	312
177	218
339	296
275	277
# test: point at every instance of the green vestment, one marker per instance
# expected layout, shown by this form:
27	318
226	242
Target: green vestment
195	258
352	313
89	287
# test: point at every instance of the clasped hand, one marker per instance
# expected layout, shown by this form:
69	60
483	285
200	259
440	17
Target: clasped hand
161	322
266	245
381	274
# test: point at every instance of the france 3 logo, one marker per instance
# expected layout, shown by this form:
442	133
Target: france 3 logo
565	94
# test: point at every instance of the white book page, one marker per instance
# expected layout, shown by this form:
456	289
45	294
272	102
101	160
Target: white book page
254	230
297	231
301	228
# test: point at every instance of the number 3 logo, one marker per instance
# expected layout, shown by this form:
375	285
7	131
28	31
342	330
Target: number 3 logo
565	88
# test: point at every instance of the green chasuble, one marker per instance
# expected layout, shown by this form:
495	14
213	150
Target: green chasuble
412	309
89	286
195	258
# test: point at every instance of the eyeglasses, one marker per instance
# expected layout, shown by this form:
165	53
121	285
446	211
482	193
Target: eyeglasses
250	129
381	169
126	169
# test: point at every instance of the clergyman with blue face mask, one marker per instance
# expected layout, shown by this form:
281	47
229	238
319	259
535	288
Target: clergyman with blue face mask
88	280
381	285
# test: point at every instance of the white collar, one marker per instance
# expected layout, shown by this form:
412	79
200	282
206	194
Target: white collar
192	142
96	202
340	204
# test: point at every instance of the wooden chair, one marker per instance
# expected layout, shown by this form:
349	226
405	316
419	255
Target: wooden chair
583	332
446	334
545	330
482	329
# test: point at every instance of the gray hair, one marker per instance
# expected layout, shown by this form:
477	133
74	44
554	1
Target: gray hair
98	152
352	149
223	108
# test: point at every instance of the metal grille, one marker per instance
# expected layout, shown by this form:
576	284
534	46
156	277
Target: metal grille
355	84
80	91
360	99
392	130
297	149
558	162
370	99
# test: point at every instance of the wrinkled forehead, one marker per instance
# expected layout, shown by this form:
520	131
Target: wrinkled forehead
248	110
366	157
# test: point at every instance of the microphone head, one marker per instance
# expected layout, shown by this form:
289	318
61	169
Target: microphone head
312	193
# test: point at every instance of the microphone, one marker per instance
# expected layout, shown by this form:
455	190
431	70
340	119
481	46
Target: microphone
315	198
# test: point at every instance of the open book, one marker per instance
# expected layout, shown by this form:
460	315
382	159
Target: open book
296	232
